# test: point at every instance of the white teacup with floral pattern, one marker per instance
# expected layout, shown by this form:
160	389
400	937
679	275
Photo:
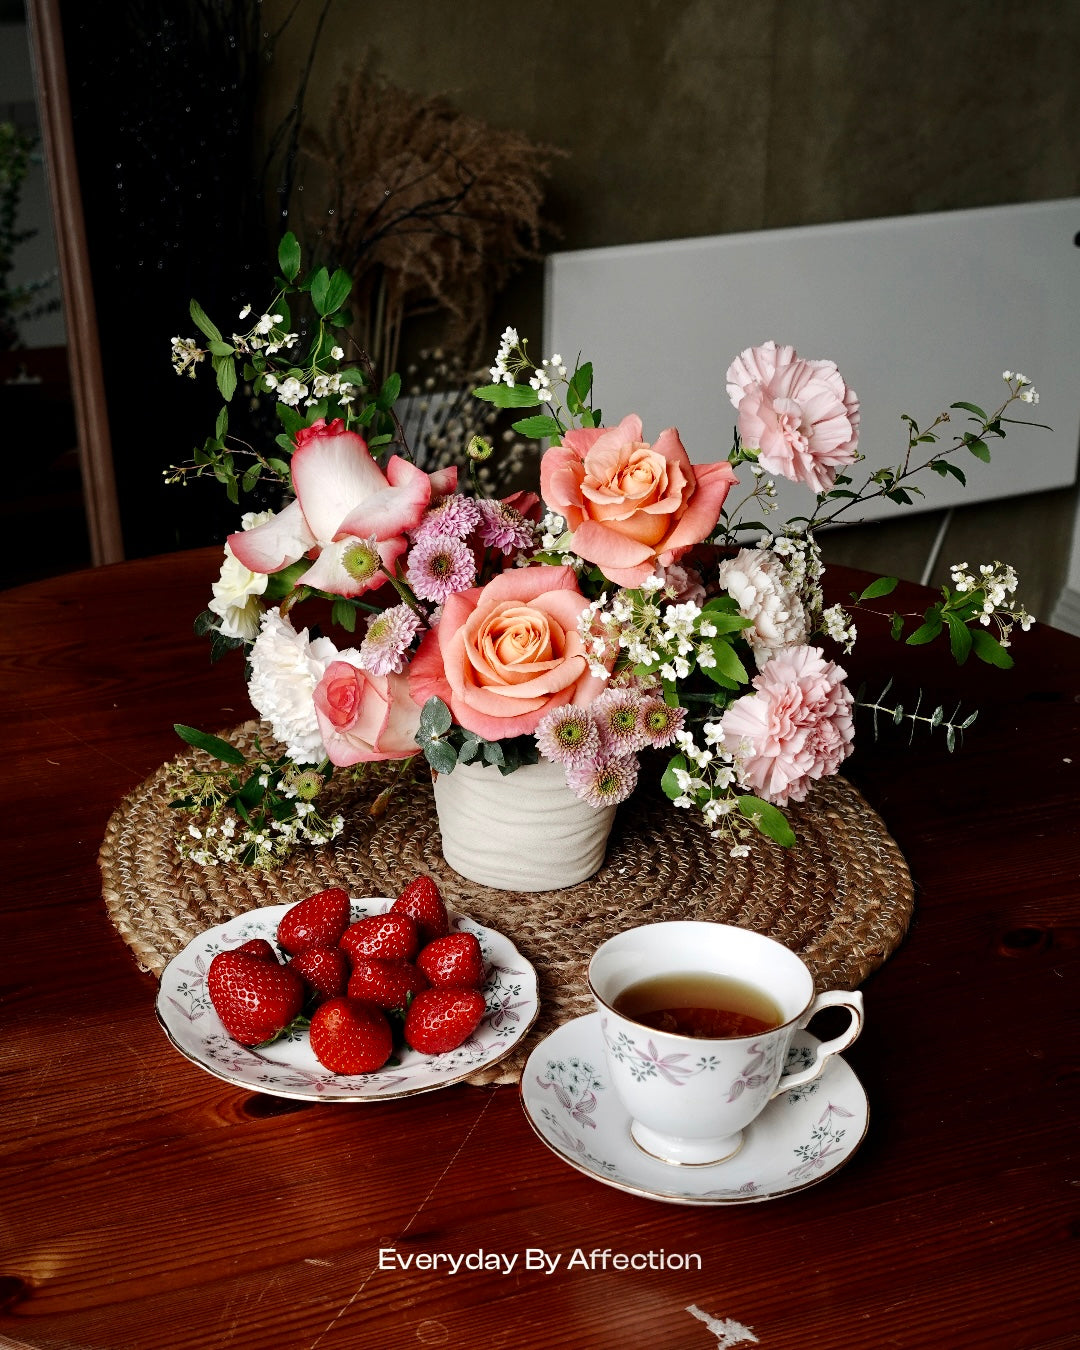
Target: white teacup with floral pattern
690	1098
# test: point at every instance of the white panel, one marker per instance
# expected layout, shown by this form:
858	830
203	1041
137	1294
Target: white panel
917	311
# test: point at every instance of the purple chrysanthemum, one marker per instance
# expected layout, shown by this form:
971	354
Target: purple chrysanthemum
438	567
604	781
504	528
383	649
452	518
658	722
616	714
567	735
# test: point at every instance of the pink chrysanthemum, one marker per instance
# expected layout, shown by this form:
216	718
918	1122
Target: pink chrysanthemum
452	518
383	649
568	735
439	567
659	723
604	781
616	714
504	528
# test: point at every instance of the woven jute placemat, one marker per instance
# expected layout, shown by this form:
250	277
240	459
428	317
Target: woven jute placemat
842	897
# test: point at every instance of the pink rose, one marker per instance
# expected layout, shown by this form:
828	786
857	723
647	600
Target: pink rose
628	503
363	716
800	414
349	516
506	653
797	726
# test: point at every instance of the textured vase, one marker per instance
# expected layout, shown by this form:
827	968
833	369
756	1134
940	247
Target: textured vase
523	831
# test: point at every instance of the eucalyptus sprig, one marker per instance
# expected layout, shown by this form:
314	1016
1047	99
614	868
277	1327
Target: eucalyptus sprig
445	745
898	713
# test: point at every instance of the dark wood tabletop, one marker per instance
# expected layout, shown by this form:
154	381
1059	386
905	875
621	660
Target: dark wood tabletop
147	1205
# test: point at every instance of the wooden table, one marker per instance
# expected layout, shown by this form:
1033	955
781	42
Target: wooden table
148	1205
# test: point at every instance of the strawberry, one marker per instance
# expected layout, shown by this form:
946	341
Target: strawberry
348	1036
387	984
259	947
421	901
454	959
254	999
325	970
441	1019
321	918
388	937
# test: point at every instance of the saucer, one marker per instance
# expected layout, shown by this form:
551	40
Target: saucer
288	1067
799	1139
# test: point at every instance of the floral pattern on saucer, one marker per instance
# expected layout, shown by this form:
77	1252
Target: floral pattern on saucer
799	1139
288	1068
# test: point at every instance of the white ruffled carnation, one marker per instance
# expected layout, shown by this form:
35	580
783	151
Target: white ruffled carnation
234	599
285	668
759	583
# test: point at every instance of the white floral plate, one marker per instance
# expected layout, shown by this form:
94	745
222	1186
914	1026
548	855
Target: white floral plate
798	1140
288	1068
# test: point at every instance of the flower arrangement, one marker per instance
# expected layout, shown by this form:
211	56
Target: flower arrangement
629	607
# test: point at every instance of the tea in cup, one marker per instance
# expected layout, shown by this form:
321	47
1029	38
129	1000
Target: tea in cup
697	1020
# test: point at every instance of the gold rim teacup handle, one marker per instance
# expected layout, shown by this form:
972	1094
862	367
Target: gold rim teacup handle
833	998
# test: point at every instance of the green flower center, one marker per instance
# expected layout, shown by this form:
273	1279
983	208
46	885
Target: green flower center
361	561
570	734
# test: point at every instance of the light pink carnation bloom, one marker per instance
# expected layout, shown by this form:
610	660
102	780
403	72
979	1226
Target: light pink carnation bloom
800	414
795	728
759	584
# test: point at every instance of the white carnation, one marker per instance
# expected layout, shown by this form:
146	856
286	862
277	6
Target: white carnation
285	668
759	583
234	599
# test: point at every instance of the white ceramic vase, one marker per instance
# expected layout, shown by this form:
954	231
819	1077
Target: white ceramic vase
522	831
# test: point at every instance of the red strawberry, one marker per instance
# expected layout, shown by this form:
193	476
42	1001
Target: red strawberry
388	937
325	970
259	947
321	918
454	959
387	984
254	999
348	1036
441	1019
421	901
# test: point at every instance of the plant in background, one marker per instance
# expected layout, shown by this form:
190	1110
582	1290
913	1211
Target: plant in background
27	299
433	211
647	609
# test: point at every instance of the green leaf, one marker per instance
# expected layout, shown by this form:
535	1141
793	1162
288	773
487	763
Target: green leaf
577	391
959	638
508	395
251	477
979	449
343	614
668	785
320	284
537	427
226	376
989	649
435	719
216	348
970	407
883	586
221	426
289	418
389	393
337	291
199	319
470	748
727	663
926	632
213	745
770	820
441	755
288	256
279	466
896	626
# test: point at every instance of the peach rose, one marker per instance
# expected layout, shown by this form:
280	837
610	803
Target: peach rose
629	504
363	716
506	653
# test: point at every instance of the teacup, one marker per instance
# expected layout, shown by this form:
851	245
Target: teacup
691	1096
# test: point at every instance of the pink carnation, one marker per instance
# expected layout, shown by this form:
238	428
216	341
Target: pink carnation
796	727
800	414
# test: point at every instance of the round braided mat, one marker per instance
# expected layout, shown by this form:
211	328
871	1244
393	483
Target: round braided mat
842	897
